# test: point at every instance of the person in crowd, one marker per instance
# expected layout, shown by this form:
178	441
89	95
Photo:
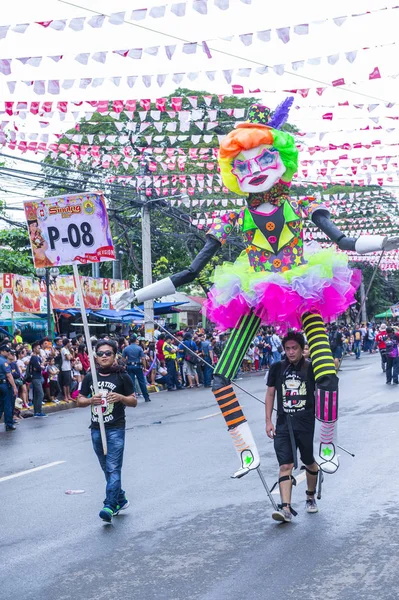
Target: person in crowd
220	344
213	344
22	362
357	341
46	381
133	356
36	368
66	368
276	348
391	346
248	359
363	329
369	339
17	337
8	389
199	365
118	387
336	344
266	350
189	360
170	351
84	358
207	354
292	380
157	332
381	345
151	354
12	357
159	347
53	372
56	352
161	375
256	357
122	343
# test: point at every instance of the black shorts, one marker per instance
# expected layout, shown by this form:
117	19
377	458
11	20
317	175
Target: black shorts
338	352
66	378
303	442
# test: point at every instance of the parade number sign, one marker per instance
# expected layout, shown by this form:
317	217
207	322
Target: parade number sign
71	229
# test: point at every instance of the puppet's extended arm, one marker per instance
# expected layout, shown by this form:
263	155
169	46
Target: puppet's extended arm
168	285
361	245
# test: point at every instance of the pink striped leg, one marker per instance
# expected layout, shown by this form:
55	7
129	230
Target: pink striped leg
326	430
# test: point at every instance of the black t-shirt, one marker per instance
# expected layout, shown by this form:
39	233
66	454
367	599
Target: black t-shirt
114	412
335	339
35	364
295	387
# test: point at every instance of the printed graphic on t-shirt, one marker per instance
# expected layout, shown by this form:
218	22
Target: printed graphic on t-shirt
294	392
108	407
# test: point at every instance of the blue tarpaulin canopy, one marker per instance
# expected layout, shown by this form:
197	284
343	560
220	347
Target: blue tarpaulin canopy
162	308
117	316
123	316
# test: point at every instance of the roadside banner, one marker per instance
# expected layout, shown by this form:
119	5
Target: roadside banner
62	292
111	286
29	295
6	296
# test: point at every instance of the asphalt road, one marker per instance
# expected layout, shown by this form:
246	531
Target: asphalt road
192	533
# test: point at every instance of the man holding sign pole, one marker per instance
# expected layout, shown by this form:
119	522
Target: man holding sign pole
115	391
71	230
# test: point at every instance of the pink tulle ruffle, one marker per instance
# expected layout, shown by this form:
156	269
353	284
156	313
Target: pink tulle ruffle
281	304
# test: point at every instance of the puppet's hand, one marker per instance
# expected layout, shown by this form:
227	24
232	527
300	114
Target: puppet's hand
390	243
122	299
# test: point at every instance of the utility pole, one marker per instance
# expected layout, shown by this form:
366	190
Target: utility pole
146	250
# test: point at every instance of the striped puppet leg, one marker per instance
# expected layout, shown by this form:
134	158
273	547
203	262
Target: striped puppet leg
326	392
224	372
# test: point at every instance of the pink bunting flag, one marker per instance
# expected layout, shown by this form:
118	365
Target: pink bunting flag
375	74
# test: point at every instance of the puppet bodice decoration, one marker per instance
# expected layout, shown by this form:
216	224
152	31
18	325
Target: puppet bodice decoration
274	241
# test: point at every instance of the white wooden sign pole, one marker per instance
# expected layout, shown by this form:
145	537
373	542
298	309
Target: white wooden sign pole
91	354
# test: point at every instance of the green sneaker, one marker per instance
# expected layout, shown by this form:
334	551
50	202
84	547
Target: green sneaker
106	514
123	506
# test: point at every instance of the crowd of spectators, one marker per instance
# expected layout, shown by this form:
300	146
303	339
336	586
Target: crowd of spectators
51	371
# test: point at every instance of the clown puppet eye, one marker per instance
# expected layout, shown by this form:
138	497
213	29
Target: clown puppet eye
241	169
267	160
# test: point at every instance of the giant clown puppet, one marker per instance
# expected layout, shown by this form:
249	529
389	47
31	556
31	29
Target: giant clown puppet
277	280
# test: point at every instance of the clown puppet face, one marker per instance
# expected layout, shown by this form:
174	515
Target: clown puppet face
259	169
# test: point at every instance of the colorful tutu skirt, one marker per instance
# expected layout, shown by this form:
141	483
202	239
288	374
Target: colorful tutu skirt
325	284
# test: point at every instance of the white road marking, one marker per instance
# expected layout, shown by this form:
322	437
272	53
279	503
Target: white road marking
209	416
299	479
53	464
213	415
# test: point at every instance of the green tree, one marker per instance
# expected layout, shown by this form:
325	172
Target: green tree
15	252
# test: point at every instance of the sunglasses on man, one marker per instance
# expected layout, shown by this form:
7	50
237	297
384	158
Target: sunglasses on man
107	353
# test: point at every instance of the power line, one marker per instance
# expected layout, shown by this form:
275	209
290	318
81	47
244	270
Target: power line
231	55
